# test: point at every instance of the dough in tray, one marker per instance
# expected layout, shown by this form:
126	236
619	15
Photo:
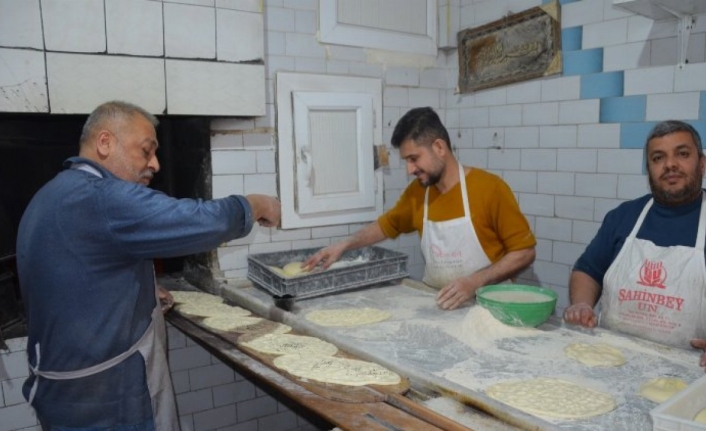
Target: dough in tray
348	316
553	398
661	389
332	369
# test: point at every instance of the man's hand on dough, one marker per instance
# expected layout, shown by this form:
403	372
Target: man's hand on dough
581	314
700	344
456	293
326	256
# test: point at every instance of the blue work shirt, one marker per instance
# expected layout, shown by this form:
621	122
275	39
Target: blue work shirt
84	253
665	226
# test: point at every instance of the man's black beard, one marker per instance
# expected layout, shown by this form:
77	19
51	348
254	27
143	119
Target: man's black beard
689	193
433	179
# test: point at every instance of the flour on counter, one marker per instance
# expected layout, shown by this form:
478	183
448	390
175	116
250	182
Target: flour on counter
479	329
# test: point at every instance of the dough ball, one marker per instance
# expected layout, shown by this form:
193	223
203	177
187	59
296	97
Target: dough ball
277	270
700	417
293	269
661	389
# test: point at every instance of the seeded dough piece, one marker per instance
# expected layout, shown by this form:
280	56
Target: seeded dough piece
595	355
283	344
661	389
245	325
552	398
348	316
210	309
229	322
185	296
332	369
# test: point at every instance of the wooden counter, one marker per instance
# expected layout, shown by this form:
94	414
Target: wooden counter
390	412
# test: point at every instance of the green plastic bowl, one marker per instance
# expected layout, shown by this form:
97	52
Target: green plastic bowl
515	309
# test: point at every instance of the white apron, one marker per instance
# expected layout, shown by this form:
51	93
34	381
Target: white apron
451	248
657	293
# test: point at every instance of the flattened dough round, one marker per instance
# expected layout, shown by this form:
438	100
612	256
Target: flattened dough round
552	398
284	344
293	269
186	296
229	322
348	316
661	389
595	355
700	417
245	325
332	369
208	309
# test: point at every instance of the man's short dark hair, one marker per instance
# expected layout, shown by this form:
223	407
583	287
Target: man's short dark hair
673	126
422	125
110	111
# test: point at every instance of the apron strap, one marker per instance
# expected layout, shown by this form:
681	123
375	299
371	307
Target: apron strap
464	194
638	223
701	234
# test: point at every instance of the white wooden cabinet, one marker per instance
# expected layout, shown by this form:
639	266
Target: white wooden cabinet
327	127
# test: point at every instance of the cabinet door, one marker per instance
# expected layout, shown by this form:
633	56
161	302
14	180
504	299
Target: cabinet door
333	141
327	127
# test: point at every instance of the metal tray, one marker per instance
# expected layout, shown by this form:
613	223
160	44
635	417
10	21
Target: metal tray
379	265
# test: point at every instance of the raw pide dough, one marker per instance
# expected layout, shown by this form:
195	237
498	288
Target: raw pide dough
208	309
348	316
661	389
700	417
228	322
332	369
183	296
245	325
283	344
293	269
595	355
552	398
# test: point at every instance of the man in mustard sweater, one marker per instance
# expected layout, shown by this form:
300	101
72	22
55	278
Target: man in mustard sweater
471	236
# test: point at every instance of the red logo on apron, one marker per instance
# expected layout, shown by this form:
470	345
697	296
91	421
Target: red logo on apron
652	274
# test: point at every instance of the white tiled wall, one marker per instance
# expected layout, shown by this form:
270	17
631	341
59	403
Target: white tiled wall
566	168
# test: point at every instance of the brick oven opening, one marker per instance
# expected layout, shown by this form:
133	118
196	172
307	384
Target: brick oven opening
32	149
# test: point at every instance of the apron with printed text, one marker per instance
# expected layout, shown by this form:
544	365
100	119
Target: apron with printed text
657	293
451	248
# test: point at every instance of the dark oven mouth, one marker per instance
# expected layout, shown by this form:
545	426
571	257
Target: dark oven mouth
12	320
32	150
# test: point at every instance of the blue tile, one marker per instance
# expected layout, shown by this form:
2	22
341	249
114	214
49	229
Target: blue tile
702	106
597	85
623	109
633	135
583	62
571	39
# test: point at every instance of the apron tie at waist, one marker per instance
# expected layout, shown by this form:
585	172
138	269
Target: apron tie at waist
84	372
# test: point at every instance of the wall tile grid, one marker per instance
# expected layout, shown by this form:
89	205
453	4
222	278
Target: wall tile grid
617	83
137	50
